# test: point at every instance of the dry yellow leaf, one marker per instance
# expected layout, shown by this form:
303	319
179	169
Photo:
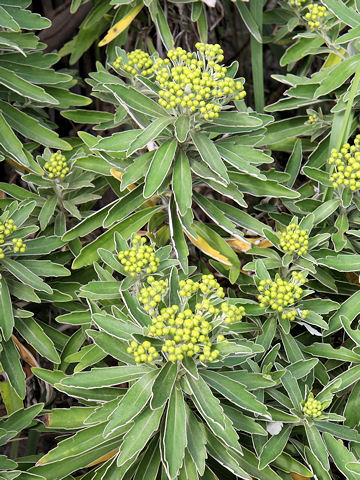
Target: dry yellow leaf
25	354
120	26
297	476
241	246
103	458
206	248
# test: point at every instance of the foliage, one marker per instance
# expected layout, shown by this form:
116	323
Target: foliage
131	362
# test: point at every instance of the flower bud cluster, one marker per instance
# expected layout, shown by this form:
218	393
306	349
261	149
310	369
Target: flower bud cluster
292	314
313	119
139	63
140	258
294	240
6	229
207	285
316	15
280	293
347	165
151	296
232	313
312	408
196	83
184	334
297	3
57	166
143	352
18	245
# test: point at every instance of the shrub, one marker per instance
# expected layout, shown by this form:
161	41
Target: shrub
179	291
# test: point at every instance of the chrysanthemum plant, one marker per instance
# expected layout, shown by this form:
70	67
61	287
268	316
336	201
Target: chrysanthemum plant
188	131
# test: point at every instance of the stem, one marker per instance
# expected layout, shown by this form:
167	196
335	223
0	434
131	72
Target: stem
256	8
345	126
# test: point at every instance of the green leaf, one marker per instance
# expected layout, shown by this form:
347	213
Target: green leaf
31	331
129	97
182	182
76	445
343	13
209	154
109	345
26	276
217	216
175	433
132	402
316	445
10	361
341	262
118	142
236	160
149	134
196	441
234	391
136	170
28	90
31	128
206	402
159	167
328	351
225	456
87	116
107	376
177	237
302	48
163	28
150	463
261	188
127	227
126	205
274	447
182	127
135	440
6	312
341	456
11	143
350	308
163	385
21	419
339	74
249	20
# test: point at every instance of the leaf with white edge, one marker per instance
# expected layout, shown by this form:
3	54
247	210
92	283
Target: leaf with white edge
132	402
341	456
317	445
175	432
140	433
107	376
210	155
149	134
159	167
234	391
6	311
274	447
164	385
182	182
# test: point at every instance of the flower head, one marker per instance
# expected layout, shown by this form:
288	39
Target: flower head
196	83
57	166
138	63
140	258
316	15
347	165
312	408
280	293
294	239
